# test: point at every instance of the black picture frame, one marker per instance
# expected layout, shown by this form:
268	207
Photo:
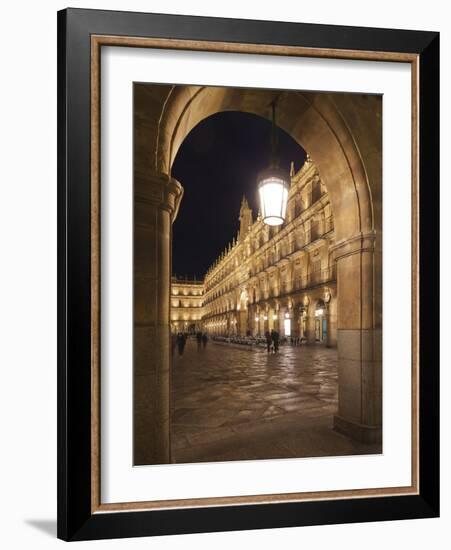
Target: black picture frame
75	518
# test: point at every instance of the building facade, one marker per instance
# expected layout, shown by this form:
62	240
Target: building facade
281	278
187	298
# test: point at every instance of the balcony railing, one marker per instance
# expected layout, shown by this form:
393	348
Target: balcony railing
312	279
316	278
316	231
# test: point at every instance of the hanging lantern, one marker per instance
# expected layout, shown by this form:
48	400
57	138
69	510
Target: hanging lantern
273	185
273	191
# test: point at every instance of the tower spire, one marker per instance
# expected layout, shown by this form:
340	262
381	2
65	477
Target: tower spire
245	217
244	203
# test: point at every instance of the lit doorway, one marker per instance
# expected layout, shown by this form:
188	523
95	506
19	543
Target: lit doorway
287	327
320	322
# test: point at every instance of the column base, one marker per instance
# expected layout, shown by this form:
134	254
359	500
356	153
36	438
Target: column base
360	432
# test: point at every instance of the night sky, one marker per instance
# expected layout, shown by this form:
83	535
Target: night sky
217	163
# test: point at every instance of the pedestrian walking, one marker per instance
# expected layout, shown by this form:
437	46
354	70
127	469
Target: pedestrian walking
181	341
204	339
199	339
268	341
275	340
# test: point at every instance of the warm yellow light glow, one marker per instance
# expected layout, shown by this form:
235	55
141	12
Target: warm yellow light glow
287	327
273	191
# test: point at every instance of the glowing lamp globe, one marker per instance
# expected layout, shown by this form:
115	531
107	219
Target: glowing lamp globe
273	190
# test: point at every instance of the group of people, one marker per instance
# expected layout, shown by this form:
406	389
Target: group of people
296	340
179	341
201	339
272	341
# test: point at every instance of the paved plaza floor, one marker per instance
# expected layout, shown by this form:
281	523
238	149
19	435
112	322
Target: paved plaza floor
230	403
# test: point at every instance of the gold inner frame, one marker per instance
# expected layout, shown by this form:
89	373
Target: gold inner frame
97	41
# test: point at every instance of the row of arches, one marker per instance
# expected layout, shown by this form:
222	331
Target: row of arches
307	319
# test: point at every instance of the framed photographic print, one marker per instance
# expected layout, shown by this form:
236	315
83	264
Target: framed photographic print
248	274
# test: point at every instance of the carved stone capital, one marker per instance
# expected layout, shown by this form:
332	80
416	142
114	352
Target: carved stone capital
159	190
361	242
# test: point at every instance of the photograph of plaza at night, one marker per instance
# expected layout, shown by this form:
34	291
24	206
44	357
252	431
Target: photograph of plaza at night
257	275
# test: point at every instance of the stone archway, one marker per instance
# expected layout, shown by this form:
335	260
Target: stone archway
343	137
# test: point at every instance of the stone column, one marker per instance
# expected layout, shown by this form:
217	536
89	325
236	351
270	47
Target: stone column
311	332
328	340
258	323
332	321
242	322
254	322
156	200
359	340
302	324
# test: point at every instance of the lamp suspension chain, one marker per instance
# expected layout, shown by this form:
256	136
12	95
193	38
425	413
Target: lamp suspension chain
273	136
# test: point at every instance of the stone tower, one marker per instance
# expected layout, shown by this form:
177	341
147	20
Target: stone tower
245	218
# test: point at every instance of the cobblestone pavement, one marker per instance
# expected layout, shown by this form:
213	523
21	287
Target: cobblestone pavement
230	403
